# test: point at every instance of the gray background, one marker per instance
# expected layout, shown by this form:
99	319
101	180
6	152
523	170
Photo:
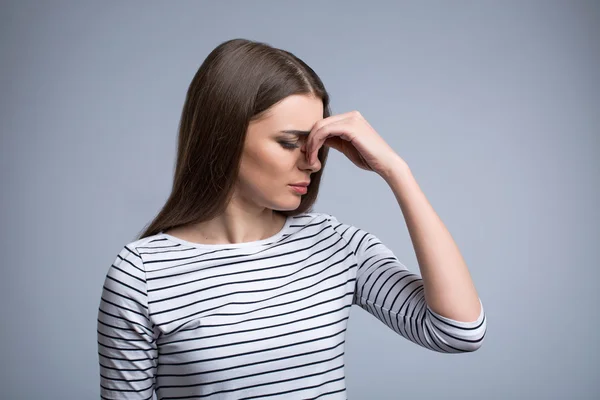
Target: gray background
494	105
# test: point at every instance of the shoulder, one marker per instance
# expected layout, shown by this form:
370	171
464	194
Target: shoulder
335	222
130	257
146	243
349	232
319	216
315	219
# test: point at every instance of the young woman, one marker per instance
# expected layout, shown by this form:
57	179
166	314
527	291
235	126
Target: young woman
238	289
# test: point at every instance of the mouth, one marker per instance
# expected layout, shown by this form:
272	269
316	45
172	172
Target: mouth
299	189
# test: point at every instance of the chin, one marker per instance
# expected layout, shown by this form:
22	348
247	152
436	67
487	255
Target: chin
289	205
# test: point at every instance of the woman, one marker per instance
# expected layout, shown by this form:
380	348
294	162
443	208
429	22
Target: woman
237	289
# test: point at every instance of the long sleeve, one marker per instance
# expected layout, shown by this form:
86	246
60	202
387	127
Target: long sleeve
126	338
386	289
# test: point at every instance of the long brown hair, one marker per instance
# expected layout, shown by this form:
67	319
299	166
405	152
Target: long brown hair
236	84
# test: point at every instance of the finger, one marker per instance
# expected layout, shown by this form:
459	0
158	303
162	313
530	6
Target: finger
335	142
330	119
342	129
337	129
325	121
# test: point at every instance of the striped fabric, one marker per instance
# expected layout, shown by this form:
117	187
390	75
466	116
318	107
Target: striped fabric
262	319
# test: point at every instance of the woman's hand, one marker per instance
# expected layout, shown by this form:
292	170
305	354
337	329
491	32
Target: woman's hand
352	135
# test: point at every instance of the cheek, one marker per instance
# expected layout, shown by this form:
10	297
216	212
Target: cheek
274	159
267	166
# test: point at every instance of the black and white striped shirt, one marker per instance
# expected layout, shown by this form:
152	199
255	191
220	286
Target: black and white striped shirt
262	319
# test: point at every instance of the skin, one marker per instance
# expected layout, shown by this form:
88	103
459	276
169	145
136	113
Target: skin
268	168
271	161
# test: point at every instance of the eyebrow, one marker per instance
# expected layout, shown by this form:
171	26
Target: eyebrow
295	132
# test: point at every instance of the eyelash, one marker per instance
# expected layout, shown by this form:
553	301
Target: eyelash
288	145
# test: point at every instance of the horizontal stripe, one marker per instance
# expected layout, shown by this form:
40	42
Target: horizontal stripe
264	319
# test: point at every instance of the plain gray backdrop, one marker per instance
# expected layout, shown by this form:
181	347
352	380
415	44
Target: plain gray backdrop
494	105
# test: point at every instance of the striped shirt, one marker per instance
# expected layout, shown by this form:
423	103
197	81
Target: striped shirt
262	319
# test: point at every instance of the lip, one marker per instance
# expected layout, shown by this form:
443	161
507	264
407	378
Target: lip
299	189
301	184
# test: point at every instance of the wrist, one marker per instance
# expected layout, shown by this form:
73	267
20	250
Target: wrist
395	169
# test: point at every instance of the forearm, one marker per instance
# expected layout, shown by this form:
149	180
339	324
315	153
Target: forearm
449	289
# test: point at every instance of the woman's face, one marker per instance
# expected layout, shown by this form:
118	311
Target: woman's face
273	160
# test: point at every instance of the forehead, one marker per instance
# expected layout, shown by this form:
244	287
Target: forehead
294	116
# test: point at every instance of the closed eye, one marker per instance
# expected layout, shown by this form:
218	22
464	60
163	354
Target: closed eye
289	145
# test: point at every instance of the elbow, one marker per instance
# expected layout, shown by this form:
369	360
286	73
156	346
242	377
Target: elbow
452	336
472	345
458	344
472	339
474	335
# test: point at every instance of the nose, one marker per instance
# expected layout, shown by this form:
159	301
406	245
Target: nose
314	166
